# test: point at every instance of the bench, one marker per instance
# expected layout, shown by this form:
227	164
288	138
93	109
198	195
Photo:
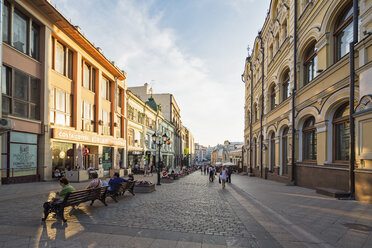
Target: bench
79	196
124	186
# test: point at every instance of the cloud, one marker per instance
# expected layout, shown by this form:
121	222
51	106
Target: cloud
211	105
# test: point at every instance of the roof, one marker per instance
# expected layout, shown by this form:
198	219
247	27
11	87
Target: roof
151	102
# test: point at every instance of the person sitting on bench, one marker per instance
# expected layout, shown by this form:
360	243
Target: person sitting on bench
66	188
115	182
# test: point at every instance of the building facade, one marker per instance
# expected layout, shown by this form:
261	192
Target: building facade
171	112
297	92
64	98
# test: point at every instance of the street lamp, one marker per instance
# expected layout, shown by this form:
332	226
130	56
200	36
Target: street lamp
159	141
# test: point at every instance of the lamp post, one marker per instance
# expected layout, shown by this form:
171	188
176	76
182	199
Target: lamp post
159	141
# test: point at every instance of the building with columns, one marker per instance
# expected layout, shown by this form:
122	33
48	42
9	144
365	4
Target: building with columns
298	88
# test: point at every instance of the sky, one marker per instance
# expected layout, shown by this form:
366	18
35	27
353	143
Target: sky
193	49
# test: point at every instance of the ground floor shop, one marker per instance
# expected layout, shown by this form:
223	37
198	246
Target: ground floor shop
19	157
76	155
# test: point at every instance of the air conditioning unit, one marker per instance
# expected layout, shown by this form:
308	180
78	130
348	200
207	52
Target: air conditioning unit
5	125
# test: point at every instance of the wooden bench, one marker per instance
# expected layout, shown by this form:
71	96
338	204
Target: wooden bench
79	196
124	186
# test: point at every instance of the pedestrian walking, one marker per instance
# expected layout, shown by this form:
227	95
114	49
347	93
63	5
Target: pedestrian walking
223	175
211	174
229	172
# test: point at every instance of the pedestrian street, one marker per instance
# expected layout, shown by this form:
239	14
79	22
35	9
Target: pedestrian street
190	212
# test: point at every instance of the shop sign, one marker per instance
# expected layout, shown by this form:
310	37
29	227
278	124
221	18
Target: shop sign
85	137
23	156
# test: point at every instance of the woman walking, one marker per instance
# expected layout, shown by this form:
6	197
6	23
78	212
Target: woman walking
223	176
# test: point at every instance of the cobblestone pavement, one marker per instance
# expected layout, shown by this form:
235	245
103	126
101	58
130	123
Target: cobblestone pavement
191	212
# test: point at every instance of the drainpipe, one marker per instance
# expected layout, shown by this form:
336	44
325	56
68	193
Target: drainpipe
294	94
251	121
262	102
351	100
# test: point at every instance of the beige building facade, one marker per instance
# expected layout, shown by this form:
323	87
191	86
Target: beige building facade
313	86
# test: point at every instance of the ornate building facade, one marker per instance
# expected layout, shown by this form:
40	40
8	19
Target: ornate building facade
297	96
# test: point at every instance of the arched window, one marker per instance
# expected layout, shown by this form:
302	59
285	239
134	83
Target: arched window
310	64
285	150
309	139
343	32
272	150
341	129
254	112
285	86
272	97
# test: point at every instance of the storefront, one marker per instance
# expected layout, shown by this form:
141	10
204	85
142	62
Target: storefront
134	157
77	154
19	157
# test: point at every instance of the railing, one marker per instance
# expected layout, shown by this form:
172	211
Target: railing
10	172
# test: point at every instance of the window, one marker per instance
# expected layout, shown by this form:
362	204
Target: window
272	97
20	94
6	22
284	30
310	64
255	164
61	53
106	89
59	63
255	117
35	41
19	32
285	151
131	137
61	107
25	34
106	119
272	150
88	116
343	32
285	86
341	128
89	77
309	139
119	98
119	133
271	51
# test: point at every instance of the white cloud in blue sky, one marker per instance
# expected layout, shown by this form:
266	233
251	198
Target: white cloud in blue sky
194	49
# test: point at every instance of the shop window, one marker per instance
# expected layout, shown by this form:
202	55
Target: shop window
20	94
106	89
341	128
310	64
343	32
61	107
89	77
61	54
309	139
88	116
106	119
285	86
62	158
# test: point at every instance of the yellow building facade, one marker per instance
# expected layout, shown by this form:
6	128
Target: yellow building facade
318	101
